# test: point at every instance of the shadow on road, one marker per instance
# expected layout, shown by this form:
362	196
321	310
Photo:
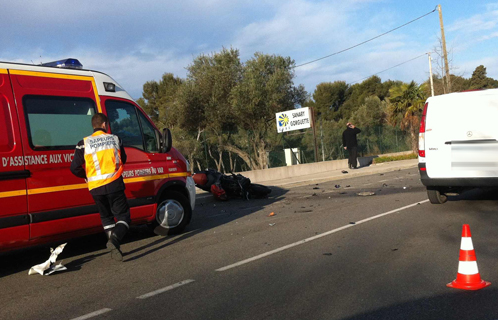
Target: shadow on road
208	214
456	304
476	194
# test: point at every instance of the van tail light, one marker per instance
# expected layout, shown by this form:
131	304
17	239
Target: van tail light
421	133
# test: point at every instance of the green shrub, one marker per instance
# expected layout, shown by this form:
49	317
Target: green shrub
395	158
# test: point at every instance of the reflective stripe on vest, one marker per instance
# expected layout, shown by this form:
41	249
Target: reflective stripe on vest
102	159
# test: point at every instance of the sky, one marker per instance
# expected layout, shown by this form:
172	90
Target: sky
138	41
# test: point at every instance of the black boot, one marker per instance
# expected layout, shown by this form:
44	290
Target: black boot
113	244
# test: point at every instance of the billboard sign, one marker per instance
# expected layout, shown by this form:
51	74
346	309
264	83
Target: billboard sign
293	120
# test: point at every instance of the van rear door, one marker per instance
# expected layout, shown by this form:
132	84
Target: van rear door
14	220
461	138
55	112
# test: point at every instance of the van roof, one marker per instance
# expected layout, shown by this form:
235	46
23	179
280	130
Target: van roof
99	77
464	94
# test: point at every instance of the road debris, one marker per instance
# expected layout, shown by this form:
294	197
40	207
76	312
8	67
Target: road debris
352	222
303	211
271	214
384	184
348	186
366	193
314	195
327	254
404	188
337	186
49	266
316	188
271	224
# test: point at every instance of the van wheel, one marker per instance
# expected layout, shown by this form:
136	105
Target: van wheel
173	214
435	196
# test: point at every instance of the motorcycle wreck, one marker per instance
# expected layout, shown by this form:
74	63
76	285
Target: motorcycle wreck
224	187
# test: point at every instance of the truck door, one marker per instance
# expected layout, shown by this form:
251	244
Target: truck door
14	220
55	112
145	166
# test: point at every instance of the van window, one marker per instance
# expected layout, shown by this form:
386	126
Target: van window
123	121
150	134
57	123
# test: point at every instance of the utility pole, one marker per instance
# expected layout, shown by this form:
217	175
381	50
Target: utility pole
321	137
446	66
313	125
430	73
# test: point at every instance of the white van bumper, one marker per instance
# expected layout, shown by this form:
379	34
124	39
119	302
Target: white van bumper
463	182
191	191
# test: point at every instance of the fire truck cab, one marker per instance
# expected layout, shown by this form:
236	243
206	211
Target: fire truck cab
44	111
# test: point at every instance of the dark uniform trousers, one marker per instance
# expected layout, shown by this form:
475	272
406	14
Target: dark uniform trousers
113	205
353	154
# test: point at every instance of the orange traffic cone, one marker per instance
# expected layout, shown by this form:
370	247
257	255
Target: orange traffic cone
468	277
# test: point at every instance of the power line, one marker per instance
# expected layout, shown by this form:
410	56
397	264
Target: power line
389	68
359	44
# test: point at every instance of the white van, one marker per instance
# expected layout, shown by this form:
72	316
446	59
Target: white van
458	143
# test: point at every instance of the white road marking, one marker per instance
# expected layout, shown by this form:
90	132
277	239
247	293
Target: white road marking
173	286
266	254
93	314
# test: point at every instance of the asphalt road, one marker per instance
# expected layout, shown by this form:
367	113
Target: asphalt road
327	253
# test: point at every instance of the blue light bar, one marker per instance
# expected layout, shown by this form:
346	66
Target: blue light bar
64	63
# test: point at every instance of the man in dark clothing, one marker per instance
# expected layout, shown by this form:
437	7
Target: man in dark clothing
99	160
351	144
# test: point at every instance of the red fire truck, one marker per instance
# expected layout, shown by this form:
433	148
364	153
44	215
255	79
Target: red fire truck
44	111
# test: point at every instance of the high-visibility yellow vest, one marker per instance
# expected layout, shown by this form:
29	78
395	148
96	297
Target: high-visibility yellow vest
102	159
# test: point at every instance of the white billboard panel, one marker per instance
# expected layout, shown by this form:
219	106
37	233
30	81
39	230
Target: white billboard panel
293	120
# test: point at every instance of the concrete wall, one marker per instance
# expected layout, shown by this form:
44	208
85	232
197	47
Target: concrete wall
307	168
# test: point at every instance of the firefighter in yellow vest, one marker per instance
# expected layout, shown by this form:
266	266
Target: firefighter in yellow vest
99	159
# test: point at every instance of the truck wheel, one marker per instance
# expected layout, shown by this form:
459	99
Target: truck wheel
173	214
435	197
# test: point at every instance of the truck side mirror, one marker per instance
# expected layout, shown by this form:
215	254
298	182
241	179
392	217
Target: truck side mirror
167	142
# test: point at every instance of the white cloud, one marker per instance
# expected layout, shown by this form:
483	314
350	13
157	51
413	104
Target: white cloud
491	64
489	36
476	23
132	72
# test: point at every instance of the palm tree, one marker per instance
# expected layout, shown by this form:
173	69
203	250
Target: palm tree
406	102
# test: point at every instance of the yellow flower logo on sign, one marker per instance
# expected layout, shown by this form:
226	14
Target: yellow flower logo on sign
283	120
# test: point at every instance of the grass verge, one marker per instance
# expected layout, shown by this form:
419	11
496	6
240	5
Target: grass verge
395	158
